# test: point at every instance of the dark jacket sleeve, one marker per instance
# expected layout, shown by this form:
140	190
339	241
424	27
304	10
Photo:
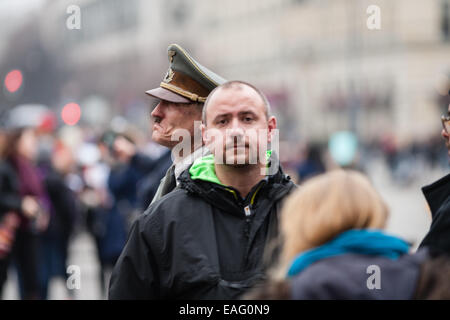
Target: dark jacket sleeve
438	198
135	273
10	199
64	202
148	186
123	177
121	180
143	163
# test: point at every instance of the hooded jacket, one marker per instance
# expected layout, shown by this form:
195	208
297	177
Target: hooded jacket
355	276
201	241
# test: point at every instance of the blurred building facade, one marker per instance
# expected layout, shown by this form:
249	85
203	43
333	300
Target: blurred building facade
320	65
336	73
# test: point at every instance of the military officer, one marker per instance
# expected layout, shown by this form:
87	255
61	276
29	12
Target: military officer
181	95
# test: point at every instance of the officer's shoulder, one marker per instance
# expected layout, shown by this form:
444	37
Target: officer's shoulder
171	208
168	202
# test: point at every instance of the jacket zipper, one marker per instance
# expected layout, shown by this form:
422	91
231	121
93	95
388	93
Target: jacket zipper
247	211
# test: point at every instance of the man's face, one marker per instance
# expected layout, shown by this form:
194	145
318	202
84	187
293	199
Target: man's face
168	117
237	129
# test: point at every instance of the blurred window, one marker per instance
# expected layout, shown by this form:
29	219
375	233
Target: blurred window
103	17
445	20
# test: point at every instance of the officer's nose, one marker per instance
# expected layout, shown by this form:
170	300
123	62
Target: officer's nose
445	134
158	112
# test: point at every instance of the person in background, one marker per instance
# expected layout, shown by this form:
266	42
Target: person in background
128	167
94	161
28	197
140	175
113	201
10	208
65	213
334	248
437	195
312	163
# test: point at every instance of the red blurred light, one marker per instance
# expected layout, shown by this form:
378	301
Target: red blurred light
71	114
48	123
13	80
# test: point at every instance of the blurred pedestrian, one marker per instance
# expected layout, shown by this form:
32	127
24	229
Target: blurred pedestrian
127	169
23	187
181	95
65	213
334	247
10	207
96	162
206	239
312	163
113	201
141	174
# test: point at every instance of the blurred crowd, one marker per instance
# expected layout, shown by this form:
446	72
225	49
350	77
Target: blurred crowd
58	183
55	184
406	162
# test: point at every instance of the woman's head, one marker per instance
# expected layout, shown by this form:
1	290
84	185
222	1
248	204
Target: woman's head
326	206
22	142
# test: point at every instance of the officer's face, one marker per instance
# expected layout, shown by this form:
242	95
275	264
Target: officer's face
168	117
237	129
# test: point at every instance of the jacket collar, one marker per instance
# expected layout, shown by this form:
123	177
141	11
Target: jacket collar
437	193
186	162
202	181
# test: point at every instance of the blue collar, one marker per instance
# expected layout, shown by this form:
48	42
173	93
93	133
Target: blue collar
366	242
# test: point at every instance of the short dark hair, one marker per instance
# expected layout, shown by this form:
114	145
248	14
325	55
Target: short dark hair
237	84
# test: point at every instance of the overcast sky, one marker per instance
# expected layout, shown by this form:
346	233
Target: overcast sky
13	12
12	15
19	8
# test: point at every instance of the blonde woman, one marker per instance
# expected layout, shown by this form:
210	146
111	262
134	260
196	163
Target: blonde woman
334	246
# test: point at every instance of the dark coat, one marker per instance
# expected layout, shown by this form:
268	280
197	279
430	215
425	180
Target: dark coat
10	201
422	275
438	198
64	203
149	185
197	243
347	277
10	198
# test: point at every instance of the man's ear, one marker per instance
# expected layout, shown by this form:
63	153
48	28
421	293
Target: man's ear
271	125
205	137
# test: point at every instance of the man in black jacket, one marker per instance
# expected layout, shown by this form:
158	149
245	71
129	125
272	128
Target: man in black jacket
438	198
207	238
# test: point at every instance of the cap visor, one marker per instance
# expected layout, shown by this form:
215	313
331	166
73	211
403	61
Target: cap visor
167	95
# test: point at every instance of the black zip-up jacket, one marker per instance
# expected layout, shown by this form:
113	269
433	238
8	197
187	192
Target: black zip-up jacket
197	242
438	198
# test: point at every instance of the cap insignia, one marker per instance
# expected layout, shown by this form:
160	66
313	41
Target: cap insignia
169	76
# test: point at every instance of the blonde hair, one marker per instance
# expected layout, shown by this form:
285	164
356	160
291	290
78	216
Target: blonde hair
326	206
